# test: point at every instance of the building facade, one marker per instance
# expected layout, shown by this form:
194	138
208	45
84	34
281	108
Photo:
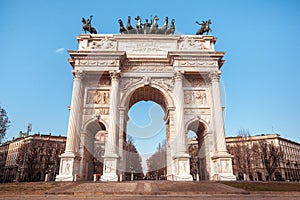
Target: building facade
265	157
31	158
113	72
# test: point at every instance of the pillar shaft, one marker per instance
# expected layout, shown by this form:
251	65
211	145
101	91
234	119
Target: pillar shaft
110	145
218	111
74	123
179	113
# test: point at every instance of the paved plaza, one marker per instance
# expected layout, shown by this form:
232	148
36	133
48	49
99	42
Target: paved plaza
137	190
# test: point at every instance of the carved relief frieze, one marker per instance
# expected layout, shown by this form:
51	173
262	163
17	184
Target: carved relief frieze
97	97
147	47
103	44
96	62
197	63
191	111
197	111
197	97
146	68
99	111
198	81
167	83
127	82
188	43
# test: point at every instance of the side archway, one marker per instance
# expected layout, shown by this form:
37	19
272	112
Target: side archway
93	140
197	148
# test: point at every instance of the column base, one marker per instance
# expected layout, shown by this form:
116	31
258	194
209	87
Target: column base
222	165
110	168
182	166
69	166
224	177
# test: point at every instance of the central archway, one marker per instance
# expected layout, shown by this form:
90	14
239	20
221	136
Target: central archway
146	138
148	93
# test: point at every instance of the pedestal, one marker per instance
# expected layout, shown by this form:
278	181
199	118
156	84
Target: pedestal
69	165
222	165
182	163
110	168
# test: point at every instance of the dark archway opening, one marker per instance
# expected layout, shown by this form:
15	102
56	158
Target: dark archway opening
196	149
94	149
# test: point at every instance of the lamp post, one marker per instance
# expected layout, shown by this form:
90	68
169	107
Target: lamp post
131	170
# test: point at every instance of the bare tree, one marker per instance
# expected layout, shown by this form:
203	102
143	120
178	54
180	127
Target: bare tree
4	123
270	157
193	151
27	160
157	162
133	160
242	153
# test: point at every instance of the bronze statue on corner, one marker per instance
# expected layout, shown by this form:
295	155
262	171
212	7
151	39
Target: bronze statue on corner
86	25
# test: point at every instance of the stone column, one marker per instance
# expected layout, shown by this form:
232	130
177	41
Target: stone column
179	114
181	158
110	156
218	111
74	124
69	163
221	160
120	150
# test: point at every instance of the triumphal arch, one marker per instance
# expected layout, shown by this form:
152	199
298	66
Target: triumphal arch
113	72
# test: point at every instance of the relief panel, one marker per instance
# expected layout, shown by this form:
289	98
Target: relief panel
98	97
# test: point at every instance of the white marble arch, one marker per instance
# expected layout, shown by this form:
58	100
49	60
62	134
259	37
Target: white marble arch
134	62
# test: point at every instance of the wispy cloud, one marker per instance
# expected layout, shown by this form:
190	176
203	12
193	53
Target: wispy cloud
60	50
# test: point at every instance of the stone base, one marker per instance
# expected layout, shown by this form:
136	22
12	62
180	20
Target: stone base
109	177
69	165
110	168
222	165
224	177
64	178
183	177
182	163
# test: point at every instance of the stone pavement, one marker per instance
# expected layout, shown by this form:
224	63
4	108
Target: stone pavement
154	197
146	190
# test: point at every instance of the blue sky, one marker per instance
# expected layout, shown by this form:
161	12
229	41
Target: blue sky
260	76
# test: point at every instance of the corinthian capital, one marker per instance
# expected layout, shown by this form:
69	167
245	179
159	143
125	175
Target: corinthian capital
215	76
115	75
178	76
78	74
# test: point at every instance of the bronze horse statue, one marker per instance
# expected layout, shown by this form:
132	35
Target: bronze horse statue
151	27
122	28
204	27
86	26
